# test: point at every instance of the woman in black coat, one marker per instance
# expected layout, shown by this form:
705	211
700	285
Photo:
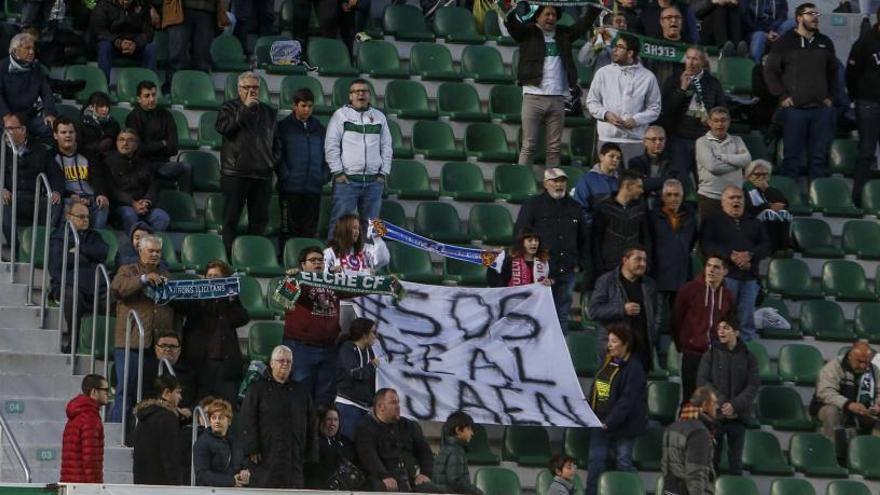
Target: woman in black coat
333	450
97	130
217	456
157	436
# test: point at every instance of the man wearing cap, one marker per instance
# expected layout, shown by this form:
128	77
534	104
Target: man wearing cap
557	219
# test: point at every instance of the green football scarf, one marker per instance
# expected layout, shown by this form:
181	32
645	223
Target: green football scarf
288	289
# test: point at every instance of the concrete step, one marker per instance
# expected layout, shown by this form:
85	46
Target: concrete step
21	384
34	408
29	340
27	431
21	316
48	457
13	294
35	363
9	472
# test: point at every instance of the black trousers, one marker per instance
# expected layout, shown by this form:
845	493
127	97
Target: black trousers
210	377
299	215
722	24
690	364
239	192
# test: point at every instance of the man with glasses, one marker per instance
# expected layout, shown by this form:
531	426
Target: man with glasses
653	22
132	186
82	448
165	360
654	164
721	160
358	151
801	71
251	148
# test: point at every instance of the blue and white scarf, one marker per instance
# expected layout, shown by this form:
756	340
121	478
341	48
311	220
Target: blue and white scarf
205	288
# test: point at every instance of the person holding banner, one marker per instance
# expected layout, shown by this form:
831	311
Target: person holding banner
528	263
356	375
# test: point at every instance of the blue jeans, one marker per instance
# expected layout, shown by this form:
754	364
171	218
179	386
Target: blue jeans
562	288
758	39
600	444
682	156
746	293
363	198
119	368
106	52
315	367
810	128
349	417
189	43
156	217
868	119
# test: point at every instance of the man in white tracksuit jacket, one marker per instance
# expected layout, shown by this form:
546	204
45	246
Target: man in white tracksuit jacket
624	98
358	151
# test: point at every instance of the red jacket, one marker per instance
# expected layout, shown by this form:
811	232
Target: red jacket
82	452
315	318
695	313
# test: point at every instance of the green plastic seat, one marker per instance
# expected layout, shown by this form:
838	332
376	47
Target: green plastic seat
545	479
813	455
463	273
295	245
505	103
255	255
457	25
324	217
573	172
409	180
814	239
488	143
763	455
251	297
800	363
647	450
791	278
193	89
291	84
331	57
406	23
184	141
831	197
583	140
205	170
491	224
791	486
198	249
169	255
582	349
526	445
663	400
792	192
182	210
92	75
128	79
768	374
84	341
119	114
208	135
862	455
781	407
515	183
439	221
843	157
460	102
263	337
479	452
112	241
412	265
230	90
400	149
735	74
777	333
340	91
871	197
464	181
825	320
379	59
865	321
431	62
393	212
408	100
845	281
227	54
847	487
70	111
497	481
735	485
434	140
620	483
576	444
214	204
483	64
861	238
492	29
25	238
263	53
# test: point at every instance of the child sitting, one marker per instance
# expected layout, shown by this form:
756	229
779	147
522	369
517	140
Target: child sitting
563	469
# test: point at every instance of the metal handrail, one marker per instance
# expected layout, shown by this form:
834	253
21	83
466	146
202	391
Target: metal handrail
164	364
131	316
7	139
198	412
74	302
101	271
42	180
4	427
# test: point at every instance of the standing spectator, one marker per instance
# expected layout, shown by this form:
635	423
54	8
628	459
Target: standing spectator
732	371
358	151
655	25
393	450
671	26
762	22
627	295
98	129
744	243
217	455
335	452
801	71
618	397
600	182
721	159
624	97
597	52
210	341
82	449
863	86
133	189
24	90
35	14
302	170
191	27
721	25
699	306
157	436
655	163
620	221
688	449
279	431
250	14
83	178
451	465
123	28
558	220
158	133
251	148
526	263
688	95
768	205
564	471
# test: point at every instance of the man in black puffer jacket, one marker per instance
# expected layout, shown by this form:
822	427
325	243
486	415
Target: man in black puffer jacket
123	28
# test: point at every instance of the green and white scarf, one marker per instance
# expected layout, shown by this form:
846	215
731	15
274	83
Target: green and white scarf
288	290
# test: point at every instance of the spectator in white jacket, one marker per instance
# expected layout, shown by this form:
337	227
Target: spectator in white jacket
721	160
624	97
358	151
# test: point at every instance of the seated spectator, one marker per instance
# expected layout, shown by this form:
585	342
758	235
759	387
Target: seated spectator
24	89
721	25
165	360
762	22
83	179
600	182
98	129
157	436
356	375
620	221
158	135
133	189
564	471
92	252
618	397
671	31
210	341
392	449
731	369
768	205
597	53
847	397
128	251
654	164
335	454
190	34
217	455
278	426
721	159
123	28
451	472
526	263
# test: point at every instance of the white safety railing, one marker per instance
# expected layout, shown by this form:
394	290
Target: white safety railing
6	434
13	188
131	317
74	301
101	274
42	184
198	414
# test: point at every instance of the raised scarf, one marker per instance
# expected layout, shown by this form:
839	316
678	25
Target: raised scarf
289	289
520	274
205	288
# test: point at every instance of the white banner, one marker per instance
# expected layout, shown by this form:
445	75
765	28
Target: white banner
497	354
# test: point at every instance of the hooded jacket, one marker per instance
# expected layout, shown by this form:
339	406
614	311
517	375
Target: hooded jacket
302	168
720	163
81	176
111	21
217	459
863	67
358	143
803	69
451	468
623	408
126	254
92	252
355	374
251	147
688	449
130	178
670	262
838	386
82	450
615	228
156	444
593	187
628	91
733	373
697	309
95	140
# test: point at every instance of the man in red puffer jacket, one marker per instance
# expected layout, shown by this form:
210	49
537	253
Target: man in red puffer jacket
82	452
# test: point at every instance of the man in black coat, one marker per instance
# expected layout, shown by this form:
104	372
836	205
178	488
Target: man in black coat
279	431
24	89
158	133
619	222
558	220
157	437
655	164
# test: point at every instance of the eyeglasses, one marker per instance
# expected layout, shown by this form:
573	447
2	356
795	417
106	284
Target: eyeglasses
81	217
812	13
655	139
250	88
315	260
670	18
168	347
364	91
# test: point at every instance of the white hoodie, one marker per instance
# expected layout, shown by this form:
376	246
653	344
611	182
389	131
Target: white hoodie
628	91
358	142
